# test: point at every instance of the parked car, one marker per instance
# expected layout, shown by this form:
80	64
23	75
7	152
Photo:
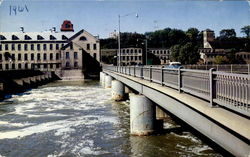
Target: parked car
174	65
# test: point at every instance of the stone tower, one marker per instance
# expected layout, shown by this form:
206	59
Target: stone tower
208	36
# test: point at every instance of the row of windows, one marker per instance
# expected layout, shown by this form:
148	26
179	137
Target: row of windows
26	66
38	47
131	57
27	47
69	66
244	56
39	37
160	51
25	56
131	51
68	55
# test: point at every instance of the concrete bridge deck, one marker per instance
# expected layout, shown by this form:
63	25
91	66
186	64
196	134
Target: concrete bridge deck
228	129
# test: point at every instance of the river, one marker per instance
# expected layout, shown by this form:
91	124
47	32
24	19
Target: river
72	119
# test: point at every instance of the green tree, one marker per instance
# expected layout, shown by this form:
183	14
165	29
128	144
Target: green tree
227	33
186	54
220	60
246	31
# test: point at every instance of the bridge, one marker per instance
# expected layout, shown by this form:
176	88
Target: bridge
216	104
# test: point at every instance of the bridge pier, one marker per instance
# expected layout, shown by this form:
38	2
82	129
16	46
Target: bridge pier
103	79
118	90
108	80
142	115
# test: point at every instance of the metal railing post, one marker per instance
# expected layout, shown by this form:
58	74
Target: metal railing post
179	79
212	87
150	73
134	70
162	75
141	72
248	68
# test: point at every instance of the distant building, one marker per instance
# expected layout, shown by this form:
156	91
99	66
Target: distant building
131	56
61	52
113	35
212	48
162	54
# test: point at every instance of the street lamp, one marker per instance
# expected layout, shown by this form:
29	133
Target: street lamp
119	39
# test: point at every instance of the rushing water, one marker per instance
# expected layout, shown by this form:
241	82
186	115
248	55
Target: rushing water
79	119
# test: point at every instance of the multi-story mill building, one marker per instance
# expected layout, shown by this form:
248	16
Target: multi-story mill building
61	52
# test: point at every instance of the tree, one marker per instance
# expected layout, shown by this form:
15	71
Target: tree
227	33
192	34
220	60
246	30
186	54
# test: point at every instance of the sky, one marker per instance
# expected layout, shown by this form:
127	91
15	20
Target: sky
100	17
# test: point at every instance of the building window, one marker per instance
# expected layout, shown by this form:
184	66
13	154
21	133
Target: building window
44	47
45	56
25	47
94	46
12	47
51	37
32	56
2	37
1	57
67	65
19	56
67	55
1	66
6	66
57	46
76	65
13	66
64	37
26	66
75	55
26	37
39	37
95	55
83	38
14	37
6	47
19	66
32	46
38	47
131	50
50	46
51	66
13	57
0	47
19	47
57	56
88	46
45	65
51	56
57	65
26	56
38	56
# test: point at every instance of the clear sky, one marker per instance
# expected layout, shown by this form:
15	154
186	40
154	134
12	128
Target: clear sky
101	17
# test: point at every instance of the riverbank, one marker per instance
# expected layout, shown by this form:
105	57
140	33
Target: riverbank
18	81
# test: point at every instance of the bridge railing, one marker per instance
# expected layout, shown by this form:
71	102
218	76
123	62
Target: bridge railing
229	90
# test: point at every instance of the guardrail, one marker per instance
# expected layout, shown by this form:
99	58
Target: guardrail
219	88
231	68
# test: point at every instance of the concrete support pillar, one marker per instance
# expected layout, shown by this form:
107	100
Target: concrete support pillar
142	115
103	79
160	114
108	80
118	90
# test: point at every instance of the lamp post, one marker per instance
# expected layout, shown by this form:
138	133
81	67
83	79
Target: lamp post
119	39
